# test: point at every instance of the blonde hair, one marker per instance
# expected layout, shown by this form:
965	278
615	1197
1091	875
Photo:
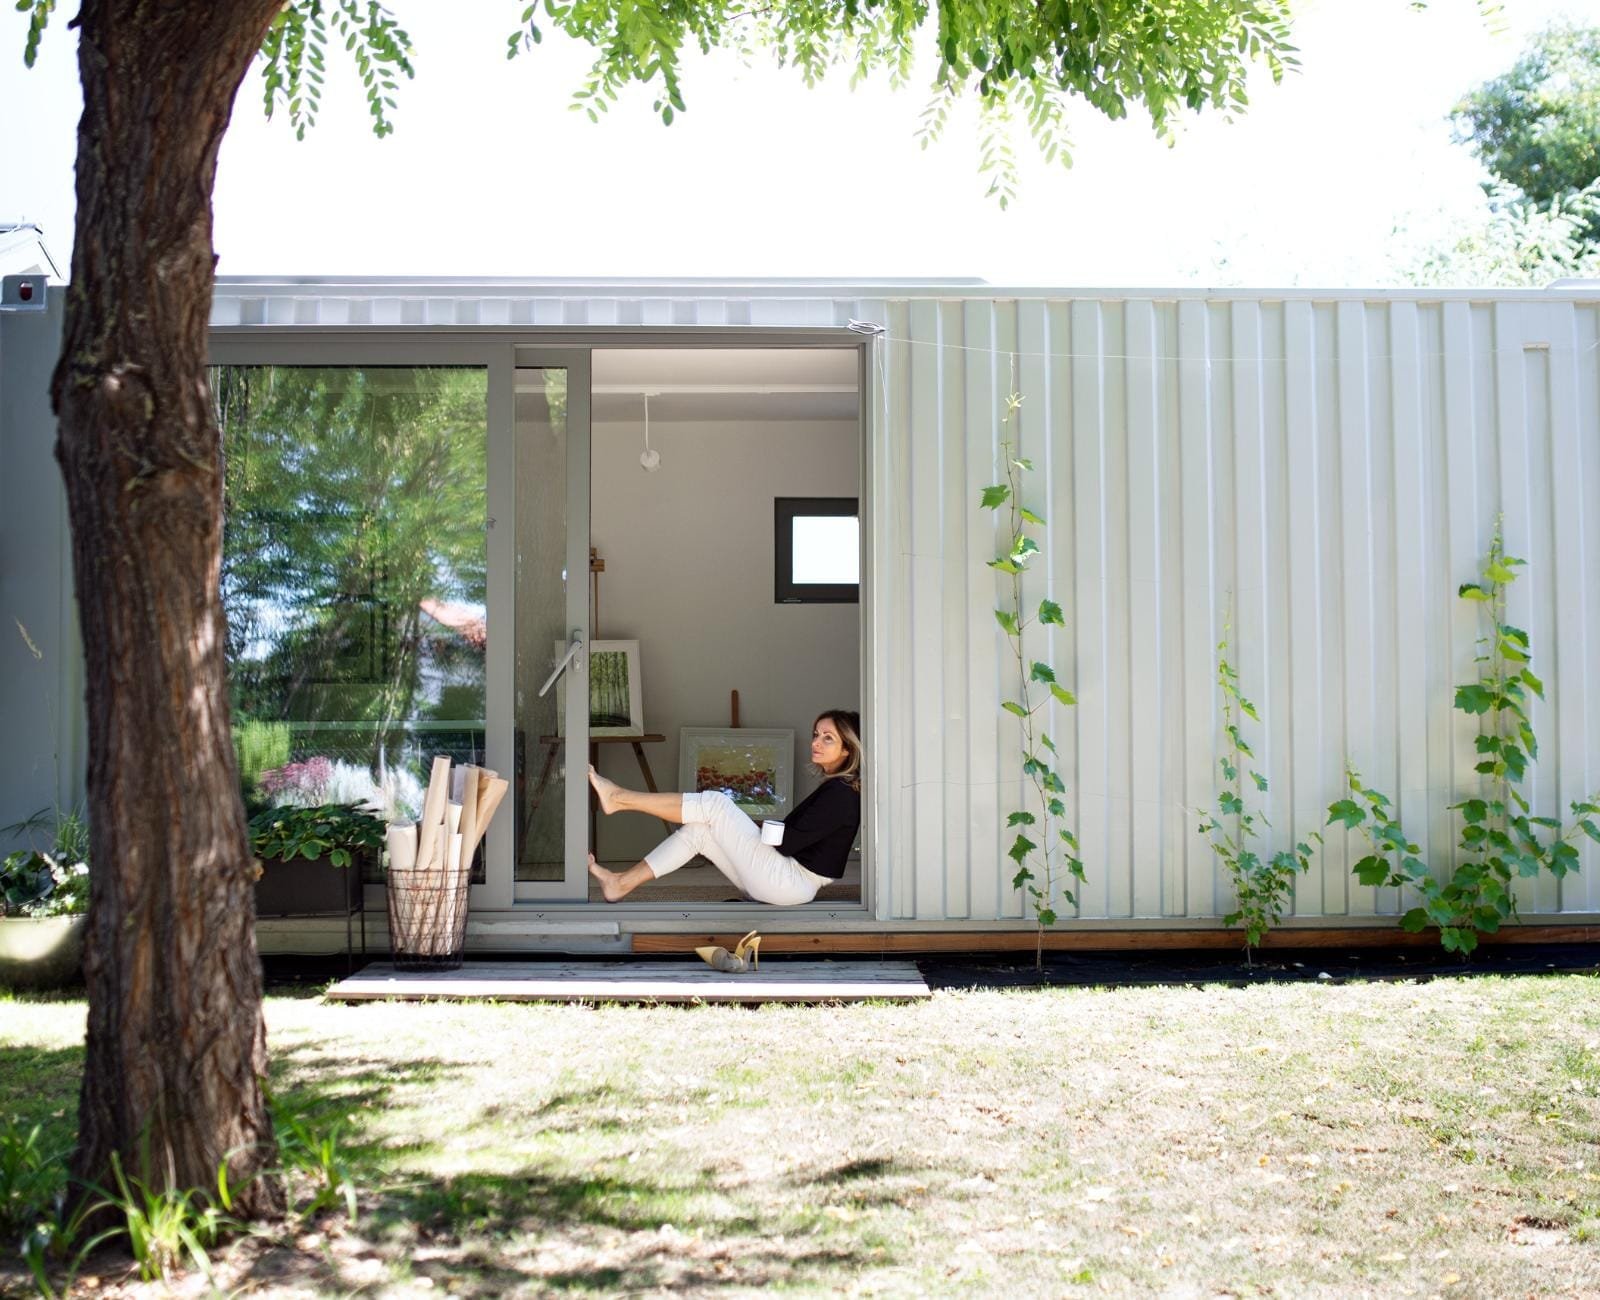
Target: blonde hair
848	724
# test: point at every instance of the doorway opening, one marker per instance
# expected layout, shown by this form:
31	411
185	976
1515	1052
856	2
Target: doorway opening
726	557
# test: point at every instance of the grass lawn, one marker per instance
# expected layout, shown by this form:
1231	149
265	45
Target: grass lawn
1440	1139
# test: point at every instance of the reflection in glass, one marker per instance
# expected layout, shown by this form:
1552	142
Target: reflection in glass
541	620
353	578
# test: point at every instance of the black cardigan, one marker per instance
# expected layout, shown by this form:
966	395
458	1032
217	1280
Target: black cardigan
819	832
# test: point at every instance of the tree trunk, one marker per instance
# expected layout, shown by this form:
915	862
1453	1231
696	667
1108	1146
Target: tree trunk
176	1043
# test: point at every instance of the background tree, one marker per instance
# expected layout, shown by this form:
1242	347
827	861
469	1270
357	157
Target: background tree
176	1046
1537	126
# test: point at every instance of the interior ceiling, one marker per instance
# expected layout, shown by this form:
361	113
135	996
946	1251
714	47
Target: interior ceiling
687	384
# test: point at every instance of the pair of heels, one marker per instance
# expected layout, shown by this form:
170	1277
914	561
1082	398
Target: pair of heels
746	955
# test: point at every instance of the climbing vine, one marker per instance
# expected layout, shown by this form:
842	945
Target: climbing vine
1261	885
1501	839
1045	865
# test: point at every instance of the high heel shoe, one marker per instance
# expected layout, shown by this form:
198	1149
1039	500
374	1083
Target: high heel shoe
736	962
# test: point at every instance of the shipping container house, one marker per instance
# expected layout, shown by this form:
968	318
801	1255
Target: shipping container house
436	489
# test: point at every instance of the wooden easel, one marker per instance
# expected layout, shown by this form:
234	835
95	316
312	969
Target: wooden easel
553	744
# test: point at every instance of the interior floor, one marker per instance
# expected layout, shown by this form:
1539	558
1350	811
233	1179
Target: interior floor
700	882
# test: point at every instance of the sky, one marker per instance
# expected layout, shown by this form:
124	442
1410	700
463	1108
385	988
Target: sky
1327	180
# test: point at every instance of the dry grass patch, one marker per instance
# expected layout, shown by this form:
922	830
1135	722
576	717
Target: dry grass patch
1292	1140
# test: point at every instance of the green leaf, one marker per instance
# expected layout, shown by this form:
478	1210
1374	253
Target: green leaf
1024	549
1372	870
1011	706
1414	921
1474	698
1044	739
1472	591
996	496
1057	808
1261	781
1047	916
1022	462
1005	566
1041	672
1347	811
1030	516
1020	819
1063	695
1050	613
1020	848
1534	684
1008	622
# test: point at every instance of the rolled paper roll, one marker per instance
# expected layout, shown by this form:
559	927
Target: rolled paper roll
401	841
430	850
452	864
495	791
452	816
469	813
456	779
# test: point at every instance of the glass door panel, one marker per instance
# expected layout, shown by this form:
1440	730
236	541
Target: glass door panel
550	690
354	577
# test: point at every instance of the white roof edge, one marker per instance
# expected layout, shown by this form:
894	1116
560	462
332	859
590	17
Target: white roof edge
577	287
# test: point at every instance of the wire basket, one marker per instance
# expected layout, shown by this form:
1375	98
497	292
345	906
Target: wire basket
428	918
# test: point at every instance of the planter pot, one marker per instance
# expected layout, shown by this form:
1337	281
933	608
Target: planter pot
40	952
308	887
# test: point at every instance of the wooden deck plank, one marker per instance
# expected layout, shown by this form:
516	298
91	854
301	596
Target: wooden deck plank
650	981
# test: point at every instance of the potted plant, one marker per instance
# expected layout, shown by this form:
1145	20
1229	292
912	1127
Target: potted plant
311	858
44	894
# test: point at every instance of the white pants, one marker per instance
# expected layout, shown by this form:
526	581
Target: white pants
717	827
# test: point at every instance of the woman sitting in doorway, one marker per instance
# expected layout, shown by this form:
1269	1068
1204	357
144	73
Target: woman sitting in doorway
817	835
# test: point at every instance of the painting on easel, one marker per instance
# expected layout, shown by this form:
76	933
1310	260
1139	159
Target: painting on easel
616	693
753	766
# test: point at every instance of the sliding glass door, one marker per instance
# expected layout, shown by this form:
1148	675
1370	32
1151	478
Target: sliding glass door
551	671
405	575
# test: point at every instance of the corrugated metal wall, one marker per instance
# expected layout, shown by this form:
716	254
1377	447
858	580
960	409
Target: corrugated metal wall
1323	470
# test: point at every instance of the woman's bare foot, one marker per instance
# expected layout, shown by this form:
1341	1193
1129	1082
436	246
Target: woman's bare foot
615	885
610	881
608	791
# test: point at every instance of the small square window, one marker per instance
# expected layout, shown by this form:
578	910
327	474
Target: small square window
818	550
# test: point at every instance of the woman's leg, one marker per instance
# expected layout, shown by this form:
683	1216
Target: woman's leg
614	798
733	844
718	829
665	858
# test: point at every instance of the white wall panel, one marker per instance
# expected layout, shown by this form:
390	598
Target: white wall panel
1327	466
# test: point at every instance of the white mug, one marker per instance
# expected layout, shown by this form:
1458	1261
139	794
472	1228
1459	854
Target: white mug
772	832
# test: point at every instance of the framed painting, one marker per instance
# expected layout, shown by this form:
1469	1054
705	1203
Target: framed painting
616	693
753	766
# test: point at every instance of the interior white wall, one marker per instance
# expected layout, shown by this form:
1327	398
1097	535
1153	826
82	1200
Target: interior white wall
689	573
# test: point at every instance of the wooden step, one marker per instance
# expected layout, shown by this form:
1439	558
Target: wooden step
639	981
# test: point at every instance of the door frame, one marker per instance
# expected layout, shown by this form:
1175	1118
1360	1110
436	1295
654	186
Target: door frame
573	887
495	349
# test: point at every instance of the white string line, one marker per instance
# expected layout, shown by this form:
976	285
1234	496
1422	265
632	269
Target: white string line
882	335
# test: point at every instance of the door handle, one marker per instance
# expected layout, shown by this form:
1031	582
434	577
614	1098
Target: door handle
573	651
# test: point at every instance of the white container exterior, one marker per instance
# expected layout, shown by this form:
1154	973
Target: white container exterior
1328	466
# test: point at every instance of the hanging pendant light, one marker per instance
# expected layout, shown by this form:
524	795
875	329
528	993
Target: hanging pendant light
650	458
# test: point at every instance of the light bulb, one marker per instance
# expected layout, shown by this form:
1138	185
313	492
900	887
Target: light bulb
650	458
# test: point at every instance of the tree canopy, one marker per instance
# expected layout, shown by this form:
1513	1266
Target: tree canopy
1164	56
1537	125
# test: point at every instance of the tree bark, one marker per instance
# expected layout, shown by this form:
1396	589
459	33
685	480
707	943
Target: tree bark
176	1049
